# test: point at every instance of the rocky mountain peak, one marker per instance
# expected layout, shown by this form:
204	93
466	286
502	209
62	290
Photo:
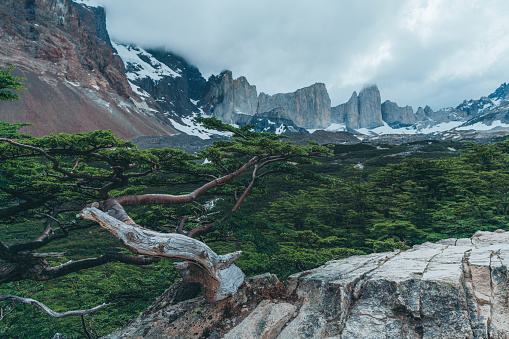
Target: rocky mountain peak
370	107
361	111
308	107
396	116
231	97
501	94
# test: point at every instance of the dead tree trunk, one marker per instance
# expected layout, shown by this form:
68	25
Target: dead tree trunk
217	275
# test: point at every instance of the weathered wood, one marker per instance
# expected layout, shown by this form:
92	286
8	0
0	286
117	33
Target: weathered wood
48	310
217	275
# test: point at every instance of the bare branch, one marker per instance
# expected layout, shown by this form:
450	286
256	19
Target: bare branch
180	228
218	276
13	210
33	266
48	310
147	199
46	255
78	265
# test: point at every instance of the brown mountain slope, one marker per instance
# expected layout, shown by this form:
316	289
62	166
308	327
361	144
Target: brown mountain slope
75	80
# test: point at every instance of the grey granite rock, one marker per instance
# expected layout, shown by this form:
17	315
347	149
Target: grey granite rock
420	115
370	108
308	107
266	321
347	113
428	111
396	116
456	288
232	98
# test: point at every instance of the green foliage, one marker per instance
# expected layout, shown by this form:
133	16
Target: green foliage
130	289
9	82
58	174
269	247
402	204
301	216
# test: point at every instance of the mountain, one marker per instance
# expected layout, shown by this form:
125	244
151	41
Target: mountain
78	80
236	101
75	80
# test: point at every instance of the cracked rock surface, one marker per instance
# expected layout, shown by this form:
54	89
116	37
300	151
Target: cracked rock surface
456	288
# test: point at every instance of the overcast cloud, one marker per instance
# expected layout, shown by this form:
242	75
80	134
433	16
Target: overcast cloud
418	52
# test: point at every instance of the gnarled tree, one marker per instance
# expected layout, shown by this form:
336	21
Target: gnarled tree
101	176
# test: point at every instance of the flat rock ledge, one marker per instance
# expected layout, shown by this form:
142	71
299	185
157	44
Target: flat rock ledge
456	288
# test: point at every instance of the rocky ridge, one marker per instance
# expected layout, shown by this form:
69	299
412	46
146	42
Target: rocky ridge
72	67
455	288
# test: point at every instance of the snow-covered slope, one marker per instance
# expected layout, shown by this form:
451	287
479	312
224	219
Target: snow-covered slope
140	64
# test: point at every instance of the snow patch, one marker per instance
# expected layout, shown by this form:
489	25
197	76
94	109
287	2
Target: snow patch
334	127
480	126
496	102
134	59
191	127
75	84
281	129
89	3
386	129
138	90
442	127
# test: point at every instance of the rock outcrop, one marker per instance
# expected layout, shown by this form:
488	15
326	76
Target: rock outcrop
347	113
362	111
308	107
75	80
420	115
168	82
234	101
396	116
456	288
230	98
370	108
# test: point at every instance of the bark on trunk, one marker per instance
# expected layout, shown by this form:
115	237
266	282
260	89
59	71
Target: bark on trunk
217	275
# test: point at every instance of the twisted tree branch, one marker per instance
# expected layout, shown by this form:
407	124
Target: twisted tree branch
48	310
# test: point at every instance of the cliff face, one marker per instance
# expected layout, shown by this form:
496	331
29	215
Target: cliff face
75	79
309	107
456	288
396	116
370	110
234	101
362	111
347	113
230	97
63	38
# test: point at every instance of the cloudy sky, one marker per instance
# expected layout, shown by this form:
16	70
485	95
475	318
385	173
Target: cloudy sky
418	52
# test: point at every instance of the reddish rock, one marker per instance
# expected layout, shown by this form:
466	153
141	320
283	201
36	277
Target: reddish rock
76	82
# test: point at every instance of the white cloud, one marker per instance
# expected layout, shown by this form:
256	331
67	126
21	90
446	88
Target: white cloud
362	68
435	52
